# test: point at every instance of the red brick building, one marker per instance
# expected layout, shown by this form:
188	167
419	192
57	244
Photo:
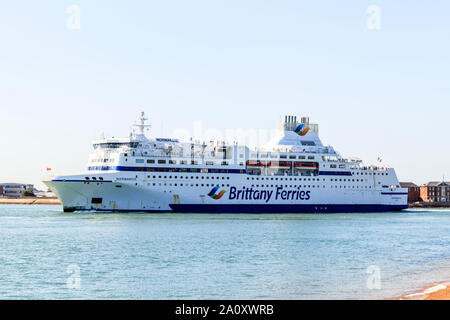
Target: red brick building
435	191
413	191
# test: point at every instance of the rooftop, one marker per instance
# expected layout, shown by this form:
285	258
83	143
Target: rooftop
437	183
408	185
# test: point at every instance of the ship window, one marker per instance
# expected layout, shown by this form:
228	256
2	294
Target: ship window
332	166
302	157
96	200
310	157
292	157
139	160
161	161
283	156
151	161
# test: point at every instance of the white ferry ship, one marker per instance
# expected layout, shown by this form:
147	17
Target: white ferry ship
294	173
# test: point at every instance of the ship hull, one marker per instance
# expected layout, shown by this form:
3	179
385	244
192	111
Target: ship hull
112	196
286	208
257	209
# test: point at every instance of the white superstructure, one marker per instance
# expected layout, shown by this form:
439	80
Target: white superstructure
293	173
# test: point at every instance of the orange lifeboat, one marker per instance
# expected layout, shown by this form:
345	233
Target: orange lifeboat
255	164
280	164
312	165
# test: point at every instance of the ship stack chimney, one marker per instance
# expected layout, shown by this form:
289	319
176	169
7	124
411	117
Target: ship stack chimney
290	122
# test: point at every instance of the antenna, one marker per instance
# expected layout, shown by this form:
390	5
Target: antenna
139	126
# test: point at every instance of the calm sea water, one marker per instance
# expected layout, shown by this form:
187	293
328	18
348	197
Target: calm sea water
48	254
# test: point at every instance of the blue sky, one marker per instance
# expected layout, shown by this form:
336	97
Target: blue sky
230	64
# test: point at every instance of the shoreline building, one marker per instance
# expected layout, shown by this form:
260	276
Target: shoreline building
413	191
435	191
16	190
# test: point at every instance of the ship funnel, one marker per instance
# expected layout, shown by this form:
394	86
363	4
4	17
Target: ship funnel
290	122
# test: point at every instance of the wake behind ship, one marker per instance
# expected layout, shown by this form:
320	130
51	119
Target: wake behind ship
294	173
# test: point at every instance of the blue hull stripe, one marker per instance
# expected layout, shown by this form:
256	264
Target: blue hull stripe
335	173
68	180
398	193
198	170
162	169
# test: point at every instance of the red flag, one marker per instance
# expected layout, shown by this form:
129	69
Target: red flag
49	169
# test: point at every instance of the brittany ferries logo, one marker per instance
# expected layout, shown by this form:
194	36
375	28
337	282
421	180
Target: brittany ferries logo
266	195
214	195
301	130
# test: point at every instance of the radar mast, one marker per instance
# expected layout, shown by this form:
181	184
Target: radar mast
139	126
